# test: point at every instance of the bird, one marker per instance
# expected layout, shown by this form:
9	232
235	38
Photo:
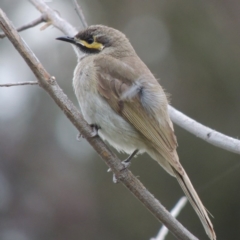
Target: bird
126	105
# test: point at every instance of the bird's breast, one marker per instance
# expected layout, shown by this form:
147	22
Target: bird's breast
95	110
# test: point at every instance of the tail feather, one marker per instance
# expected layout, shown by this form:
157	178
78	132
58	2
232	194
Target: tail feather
196	203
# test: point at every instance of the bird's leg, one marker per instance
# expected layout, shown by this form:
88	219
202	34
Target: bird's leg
94	132
126	163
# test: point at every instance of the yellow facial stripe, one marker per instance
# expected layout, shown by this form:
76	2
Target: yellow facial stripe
94	45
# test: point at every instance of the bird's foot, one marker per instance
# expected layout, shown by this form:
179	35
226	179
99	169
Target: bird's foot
95	129
126	164
94	132
79	137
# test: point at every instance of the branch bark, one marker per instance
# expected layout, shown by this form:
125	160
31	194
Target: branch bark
207	134
18	84
175	212
49	84
80	13
34	23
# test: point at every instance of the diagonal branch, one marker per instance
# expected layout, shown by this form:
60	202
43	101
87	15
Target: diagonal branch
34	23
175	212
48	83
53	17
18	84
80	13
207	134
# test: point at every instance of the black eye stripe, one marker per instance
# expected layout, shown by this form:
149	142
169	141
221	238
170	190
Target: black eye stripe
90	37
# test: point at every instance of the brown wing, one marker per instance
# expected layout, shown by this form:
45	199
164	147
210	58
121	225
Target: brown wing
114	80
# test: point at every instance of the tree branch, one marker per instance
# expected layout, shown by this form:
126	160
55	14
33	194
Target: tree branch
80	13
18	84
207	134
175	212
48	83
34	23
53	17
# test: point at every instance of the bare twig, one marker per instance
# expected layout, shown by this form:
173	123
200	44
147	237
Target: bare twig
53	17
80	13
209	135
18	84
49	84
34	23
175	212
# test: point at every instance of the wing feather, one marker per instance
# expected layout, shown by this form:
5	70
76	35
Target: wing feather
114	80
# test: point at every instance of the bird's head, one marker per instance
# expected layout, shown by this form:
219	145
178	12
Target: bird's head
99	39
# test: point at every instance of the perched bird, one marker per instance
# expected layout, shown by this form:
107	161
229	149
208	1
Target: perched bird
120	97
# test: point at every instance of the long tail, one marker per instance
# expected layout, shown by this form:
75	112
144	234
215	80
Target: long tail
196	203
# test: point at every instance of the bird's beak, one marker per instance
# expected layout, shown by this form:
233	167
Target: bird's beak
67	39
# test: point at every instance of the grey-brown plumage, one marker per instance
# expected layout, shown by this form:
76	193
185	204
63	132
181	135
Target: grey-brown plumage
118	93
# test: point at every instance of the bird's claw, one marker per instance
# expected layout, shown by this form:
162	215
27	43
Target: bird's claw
115	179
95	129
94	132
125	164
79	137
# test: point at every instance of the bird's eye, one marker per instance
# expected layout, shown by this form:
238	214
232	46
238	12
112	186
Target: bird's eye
90	40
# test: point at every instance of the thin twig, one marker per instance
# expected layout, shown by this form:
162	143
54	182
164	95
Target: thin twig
18	84
80	13
34	23
49	84
207	134
54	17
175	212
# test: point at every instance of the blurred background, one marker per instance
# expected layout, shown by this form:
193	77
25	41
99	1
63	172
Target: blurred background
54	187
